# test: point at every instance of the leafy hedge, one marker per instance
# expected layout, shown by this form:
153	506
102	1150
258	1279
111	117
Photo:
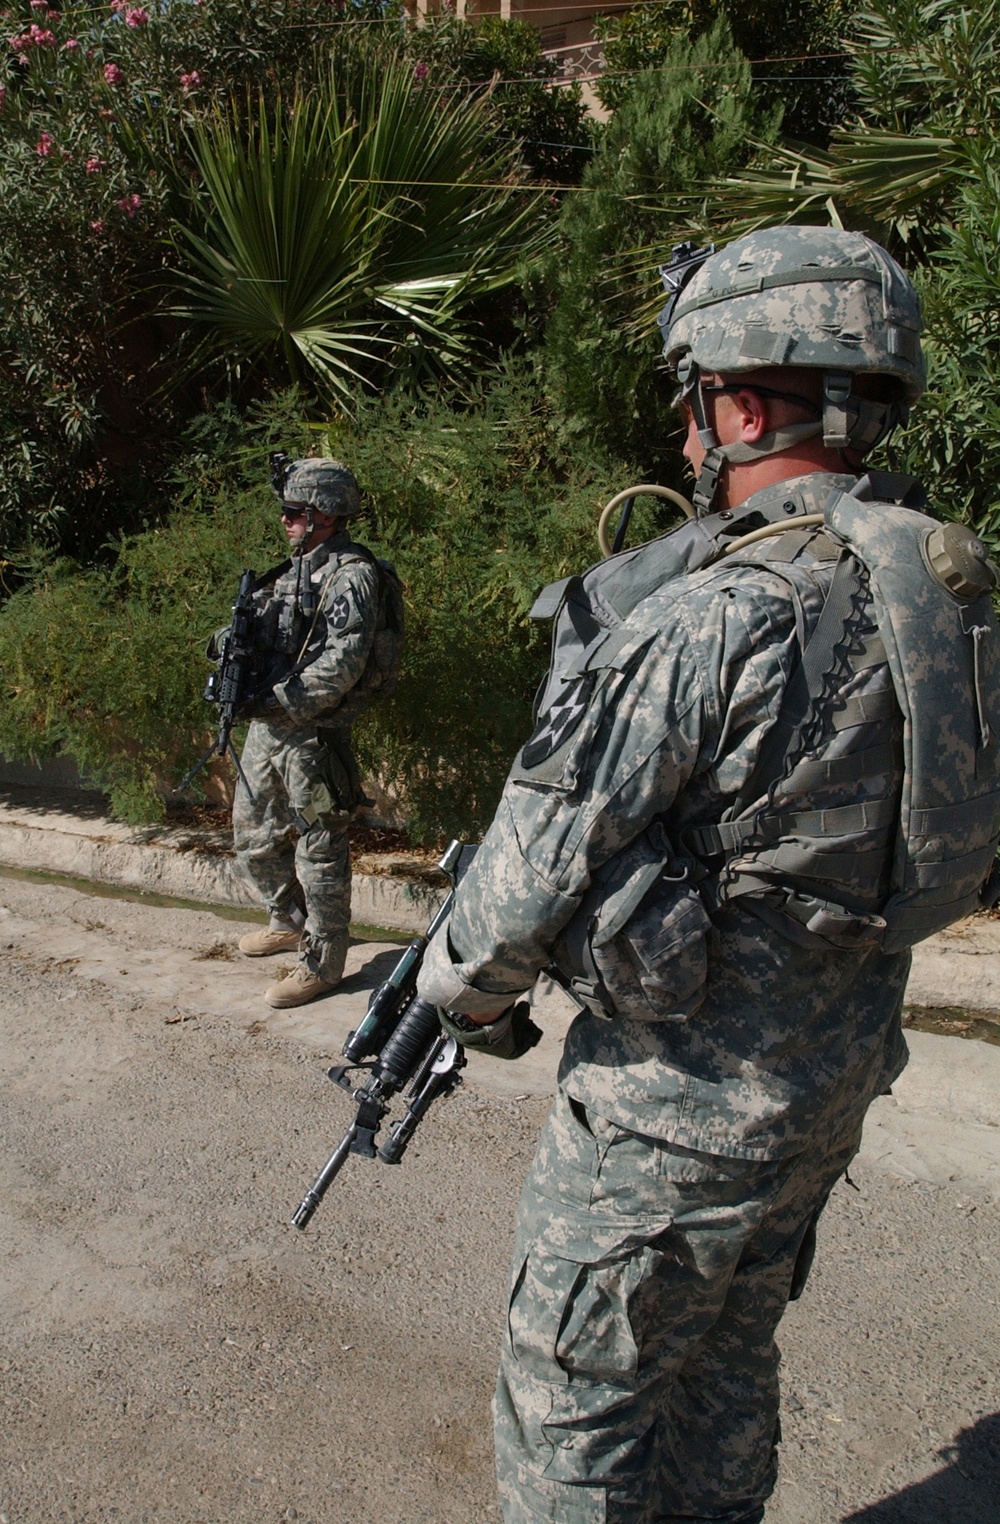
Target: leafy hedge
478	510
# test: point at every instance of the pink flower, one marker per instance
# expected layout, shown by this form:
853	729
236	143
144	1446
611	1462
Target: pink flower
129	204
420	71
136	17
93	166
44	145
98	226
190	81
118	5
39	5
112	74
70	45
42	37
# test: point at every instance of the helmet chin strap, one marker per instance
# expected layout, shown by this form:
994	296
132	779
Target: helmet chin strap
846	422
738	453
300	548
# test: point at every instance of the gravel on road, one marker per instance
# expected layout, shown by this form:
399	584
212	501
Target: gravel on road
172	1350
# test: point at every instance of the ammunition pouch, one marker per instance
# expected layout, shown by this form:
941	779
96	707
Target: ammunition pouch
337	790
636	946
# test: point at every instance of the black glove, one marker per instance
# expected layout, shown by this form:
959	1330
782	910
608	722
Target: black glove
511	1035
263	707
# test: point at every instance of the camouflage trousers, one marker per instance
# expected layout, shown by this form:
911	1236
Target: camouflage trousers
291	840
639	1374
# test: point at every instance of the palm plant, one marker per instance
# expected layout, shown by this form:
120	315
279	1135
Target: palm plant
927	95
346	232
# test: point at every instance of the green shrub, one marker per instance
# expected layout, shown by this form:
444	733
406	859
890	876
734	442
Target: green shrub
674	129
477	509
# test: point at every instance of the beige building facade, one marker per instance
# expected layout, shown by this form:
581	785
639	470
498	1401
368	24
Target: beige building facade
567	32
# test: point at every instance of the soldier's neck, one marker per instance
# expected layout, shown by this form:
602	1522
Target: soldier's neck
740	482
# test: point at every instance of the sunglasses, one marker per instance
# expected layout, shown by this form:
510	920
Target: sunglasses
294	510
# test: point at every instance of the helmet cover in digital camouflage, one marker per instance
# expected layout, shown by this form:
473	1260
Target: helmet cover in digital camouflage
809	297
324	484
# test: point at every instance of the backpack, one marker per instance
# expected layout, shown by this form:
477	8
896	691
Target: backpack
382	672
942	647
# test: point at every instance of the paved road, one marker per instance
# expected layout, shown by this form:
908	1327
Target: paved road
170	1350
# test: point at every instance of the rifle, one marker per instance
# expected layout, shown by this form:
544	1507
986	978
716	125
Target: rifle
229	685
402	1036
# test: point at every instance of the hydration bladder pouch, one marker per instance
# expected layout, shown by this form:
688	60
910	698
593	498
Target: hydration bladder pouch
636	946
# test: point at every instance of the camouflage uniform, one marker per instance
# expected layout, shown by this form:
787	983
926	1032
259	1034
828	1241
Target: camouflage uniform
678	1180
292	840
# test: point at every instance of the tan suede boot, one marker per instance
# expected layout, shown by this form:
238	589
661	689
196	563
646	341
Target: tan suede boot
270	939
298	987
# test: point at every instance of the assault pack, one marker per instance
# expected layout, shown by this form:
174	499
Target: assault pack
798	864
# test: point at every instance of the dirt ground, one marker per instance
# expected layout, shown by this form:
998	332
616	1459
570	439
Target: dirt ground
172	1350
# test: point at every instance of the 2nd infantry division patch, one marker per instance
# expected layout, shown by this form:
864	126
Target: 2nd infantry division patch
340	612
559	721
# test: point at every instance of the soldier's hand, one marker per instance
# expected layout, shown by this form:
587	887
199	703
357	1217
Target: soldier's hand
263	707
511	1035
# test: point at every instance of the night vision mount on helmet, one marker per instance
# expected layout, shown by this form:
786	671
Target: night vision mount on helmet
808	298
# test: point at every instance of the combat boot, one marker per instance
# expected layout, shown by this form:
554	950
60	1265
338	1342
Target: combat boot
270	939
298	987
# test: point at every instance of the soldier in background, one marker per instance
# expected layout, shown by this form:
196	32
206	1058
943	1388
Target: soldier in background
701	840
316	624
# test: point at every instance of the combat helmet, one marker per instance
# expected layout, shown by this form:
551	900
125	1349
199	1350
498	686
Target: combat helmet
815	298
320	483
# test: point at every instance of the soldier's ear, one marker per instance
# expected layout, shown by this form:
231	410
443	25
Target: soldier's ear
753	415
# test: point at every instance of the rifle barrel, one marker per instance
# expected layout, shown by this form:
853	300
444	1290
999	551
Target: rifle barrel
327	1175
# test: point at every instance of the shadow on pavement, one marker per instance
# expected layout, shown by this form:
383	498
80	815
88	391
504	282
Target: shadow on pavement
966	1491
373	972
41	799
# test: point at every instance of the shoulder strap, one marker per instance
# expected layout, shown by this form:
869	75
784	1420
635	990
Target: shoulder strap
266	579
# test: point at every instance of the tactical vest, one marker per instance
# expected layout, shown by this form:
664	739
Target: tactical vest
886	869
290	630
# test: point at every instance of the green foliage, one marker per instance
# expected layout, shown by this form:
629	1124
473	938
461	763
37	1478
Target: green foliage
795	46
345	232
477	509
105	665
502	62
676	128
99	108
928	124
953	442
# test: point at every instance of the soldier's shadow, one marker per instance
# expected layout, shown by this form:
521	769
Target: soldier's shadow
965	1491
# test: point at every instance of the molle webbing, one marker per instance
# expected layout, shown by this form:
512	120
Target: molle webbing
944	656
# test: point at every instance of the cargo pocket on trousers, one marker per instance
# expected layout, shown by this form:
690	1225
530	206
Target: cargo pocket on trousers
339	781
569	1321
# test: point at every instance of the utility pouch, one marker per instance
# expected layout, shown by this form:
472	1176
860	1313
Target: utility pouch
341	774
637	945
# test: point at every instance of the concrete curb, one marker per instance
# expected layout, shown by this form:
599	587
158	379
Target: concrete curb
959	967
177	862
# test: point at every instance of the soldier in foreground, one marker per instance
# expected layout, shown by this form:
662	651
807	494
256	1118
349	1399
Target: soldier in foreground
316	626
763	767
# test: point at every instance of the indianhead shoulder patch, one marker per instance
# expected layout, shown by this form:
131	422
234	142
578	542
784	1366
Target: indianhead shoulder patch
559	721
340	613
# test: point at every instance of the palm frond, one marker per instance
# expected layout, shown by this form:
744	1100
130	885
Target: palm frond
347	225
